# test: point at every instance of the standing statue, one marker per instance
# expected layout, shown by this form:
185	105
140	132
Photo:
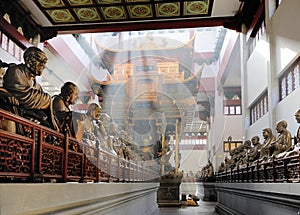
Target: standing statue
283	141
20	81
68	121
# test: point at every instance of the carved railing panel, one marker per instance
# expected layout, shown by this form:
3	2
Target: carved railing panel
90	163
269	171
260	173
114	168
50	150
16	157
126	170
122	169
90	169
32	152
280	171
17	148
103	164
51	162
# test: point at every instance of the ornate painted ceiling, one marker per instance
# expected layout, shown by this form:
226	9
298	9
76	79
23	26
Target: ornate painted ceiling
81	11
52	17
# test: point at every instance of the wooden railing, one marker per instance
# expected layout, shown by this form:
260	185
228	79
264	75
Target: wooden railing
277	170
34	153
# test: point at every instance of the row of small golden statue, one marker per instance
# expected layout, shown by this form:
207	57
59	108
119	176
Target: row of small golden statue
23	95
252	152
206	173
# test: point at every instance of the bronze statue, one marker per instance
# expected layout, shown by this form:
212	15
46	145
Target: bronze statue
297	117
105	119
283	141
255	150
236	156
222	167
268	139
113	138
244	154
68	121
110	136
93	115
20	81
210	169
241	153
295	149
90	123
227	162
231	162
207	172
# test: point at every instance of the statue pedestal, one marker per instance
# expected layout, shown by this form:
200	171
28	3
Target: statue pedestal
168	192
206	191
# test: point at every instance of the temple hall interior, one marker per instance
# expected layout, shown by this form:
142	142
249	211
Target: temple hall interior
156	107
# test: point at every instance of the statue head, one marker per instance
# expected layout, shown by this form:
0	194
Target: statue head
113	128
94	111
35	60
281	126
255	140
247	144
266	132
123	135
241	148
69	93
105	119
297	116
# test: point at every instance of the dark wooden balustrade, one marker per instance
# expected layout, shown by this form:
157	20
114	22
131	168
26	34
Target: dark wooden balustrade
278	170
34	153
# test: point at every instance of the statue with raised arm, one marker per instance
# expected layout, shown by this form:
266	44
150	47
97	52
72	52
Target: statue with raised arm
20	81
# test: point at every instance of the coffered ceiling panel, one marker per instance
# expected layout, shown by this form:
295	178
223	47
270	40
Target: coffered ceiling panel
95	11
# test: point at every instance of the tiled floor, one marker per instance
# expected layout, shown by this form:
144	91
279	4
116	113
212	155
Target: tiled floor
204	208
